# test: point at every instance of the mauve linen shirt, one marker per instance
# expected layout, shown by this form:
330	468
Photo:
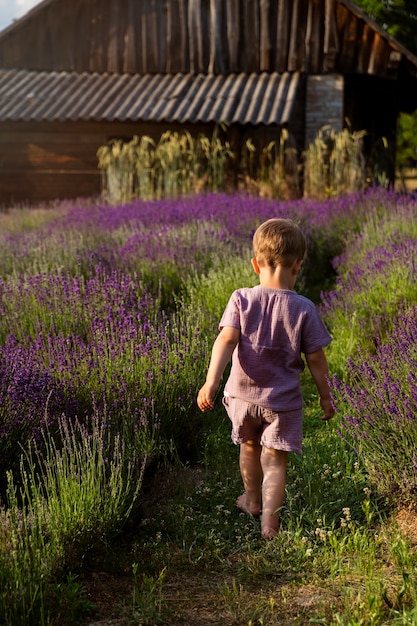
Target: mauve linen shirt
276	327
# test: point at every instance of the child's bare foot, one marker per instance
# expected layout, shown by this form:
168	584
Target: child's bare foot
247	507
269	533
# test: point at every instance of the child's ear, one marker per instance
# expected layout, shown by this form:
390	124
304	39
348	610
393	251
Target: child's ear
255	266
297	266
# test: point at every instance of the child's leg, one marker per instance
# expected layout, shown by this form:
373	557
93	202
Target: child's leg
274	466
251	471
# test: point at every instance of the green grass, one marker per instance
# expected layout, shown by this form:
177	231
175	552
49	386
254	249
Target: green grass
339	558
77	490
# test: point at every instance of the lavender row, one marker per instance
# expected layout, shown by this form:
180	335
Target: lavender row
181	231
373	314
378	406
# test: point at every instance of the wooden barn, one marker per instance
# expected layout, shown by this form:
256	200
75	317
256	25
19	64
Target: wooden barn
76	73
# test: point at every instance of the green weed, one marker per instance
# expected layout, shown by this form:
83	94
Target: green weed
77	488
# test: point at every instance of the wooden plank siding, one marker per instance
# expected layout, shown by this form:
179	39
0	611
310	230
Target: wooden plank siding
199	36
43	161
40	162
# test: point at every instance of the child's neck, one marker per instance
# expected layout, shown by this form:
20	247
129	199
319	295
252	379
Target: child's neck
278	278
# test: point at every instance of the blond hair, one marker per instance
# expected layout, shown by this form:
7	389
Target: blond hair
279	241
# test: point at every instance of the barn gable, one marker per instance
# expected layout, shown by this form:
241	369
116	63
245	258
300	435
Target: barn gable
203	36
96	69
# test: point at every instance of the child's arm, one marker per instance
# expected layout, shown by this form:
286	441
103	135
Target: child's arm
222	351
317	364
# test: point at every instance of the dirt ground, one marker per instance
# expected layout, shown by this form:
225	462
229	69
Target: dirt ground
193	601
193	597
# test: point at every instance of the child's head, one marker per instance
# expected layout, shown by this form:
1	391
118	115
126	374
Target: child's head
278	241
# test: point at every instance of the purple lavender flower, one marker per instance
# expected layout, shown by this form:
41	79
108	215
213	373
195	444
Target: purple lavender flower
378	408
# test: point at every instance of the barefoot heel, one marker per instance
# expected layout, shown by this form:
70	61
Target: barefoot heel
242	504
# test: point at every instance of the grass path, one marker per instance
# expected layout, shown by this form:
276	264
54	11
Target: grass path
204	591
191	558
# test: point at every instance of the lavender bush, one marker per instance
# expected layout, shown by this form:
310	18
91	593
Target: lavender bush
143	371
373	313
378	408
376	280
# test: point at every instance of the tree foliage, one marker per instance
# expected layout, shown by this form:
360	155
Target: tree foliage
397	17
407	140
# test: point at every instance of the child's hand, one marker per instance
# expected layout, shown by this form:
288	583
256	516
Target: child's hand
222	351
205	397
328	408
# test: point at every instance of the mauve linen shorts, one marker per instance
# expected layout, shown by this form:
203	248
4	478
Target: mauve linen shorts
280	431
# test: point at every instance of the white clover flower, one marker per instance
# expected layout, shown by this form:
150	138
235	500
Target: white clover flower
367	491
321	534
309	551
346	513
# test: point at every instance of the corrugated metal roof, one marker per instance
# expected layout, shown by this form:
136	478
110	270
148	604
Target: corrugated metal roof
62	96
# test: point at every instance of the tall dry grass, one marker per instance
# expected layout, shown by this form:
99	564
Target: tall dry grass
179	165
334	164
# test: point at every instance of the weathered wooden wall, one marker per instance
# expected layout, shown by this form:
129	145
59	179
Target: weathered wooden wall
41	162
44	161
208	36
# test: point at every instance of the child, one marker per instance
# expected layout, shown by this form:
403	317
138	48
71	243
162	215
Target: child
265	329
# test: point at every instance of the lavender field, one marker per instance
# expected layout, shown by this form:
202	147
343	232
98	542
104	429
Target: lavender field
107	319
96	306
